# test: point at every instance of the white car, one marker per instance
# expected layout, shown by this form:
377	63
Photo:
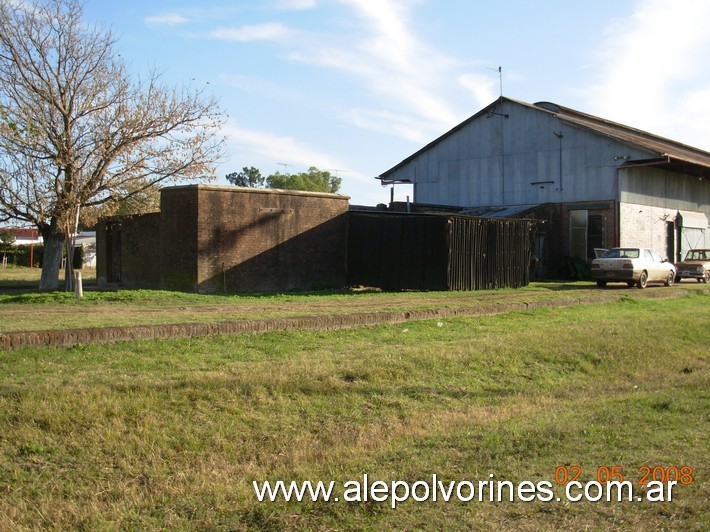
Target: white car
633	266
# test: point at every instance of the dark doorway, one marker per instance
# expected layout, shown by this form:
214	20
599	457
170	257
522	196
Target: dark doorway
595	234
113	252
670	242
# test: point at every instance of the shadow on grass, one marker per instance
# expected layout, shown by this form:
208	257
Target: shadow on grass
19	280
18	288
557	286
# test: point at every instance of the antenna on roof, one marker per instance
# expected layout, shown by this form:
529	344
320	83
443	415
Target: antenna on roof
500	78
493	112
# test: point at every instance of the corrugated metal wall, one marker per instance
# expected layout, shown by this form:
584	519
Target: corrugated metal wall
434	252
488	253
397	251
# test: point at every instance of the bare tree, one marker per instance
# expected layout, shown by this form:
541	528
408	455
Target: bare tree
76	130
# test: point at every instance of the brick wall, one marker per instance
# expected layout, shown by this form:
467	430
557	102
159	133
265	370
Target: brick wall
554	235
140	251
646	226
128	251
256	240
178	238
227	239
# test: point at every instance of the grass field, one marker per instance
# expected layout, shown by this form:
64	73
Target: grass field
22	308
21	277
171	434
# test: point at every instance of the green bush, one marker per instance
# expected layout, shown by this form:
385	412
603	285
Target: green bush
21	257
574	268
79	253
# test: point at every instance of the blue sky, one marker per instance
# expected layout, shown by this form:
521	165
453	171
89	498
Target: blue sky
355	86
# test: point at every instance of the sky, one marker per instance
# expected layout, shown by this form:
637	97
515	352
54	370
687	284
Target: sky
356	86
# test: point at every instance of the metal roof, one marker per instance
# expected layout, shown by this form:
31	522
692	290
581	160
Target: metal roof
498	212
663	147
681	157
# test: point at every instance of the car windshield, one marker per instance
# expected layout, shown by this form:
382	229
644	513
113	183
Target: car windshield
622	253
698	254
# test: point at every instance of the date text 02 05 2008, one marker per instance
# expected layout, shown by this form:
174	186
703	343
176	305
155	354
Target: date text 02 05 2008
683	474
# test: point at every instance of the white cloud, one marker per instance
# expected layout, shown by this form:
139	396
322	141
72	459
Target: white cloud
168	19
407	77
391	41
277	148
654	71
391	123
296	5
261	32
483	88
377	47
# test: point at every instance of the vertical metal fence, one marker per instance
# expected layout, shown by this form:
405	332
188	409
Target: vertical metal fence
435	252
488	253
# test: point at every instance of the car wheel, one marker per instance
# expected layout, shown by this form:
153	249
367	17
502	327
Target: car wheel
643	279
678	279
601	284
706	277
631	284
670	279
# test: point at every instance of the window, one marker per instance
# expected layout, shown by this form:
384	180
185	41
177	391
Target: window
586	233
655	256
622	253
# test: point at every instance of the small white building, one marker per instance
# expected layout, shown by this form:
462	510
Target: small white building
598	184
87	240
25	236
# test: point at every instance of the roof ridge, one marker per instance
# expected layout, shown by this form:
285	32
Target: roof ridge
665	147
582	118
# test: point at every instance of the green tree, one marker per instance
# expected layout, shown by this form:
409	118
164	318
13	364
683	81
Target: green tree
7	242
248	177
6	238
314	180
129	203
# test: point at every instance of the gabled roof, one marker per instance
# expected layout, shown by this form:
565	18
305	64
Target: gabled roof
680	156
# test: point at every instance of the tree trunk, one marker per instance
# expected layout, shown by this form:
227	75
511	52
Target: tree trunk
52	259
70	241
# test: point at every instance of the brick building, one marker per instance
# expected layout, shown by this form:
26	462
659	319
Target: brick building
215	239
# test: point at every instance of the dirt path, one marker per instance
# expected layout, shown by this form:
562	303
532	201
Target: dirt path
321	315
16	317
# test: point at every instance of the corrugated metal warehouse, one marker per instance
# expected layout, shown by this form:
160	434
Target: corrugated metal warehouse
598	184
